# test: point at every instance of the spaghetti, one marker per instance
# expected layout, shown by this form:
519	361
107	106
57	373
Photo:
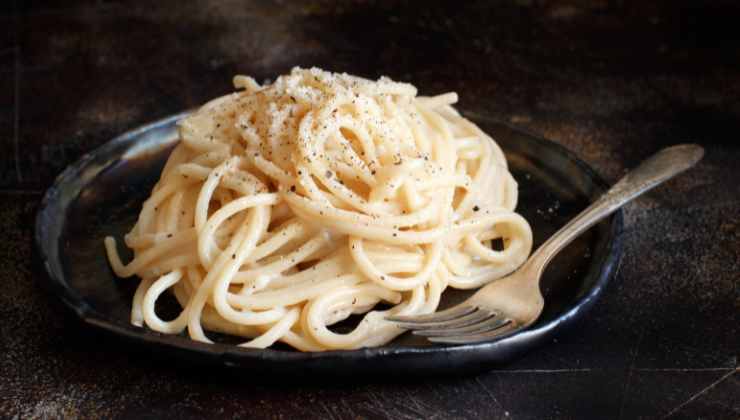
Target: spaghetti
288	207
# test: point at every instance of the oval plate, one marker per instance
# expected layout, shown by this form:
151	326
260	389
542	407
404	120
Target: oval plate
101	194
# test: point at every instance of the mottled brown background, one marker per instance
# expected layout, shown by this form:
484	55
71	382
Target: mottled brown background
611	80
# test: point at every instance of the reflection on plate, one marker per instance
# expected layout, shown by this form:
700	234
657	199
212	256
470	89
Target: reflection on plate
102	194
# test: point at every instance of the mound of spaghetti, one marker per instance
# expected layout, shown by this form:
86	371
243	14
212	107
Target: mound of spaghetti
288	207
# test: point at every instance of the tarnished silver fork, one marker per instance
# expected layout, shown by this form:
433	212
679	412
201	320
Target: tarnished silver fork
514	302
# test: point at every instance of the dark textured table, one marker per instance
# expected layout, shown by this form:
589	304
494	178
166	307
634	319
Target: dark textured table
610	80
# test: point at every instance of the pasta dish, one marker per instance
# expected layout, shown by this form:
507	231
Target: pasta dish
286	208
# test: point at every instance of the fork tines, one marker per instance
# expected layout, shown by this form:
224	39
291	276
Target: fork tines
460	324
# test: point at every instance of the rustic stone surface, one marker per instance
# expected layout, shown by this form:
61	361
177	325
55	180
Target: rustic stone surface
612	81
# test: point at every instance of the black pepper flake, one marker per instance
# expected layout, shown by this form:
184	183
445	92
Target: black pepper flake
328	174
476	208
292	188
169	235
233	256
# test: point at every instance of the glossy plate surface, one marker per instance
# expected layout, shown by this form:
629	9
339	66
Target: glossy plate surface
102	193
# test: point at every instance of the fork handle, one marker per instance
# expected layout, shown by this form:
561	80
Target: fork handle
653	171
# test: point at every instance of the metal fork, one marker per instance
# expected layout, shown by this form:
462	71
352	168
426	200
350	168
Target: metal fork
515	301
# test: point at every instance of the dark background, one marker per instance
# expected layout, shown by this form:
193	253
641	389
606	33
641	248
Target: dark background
613	81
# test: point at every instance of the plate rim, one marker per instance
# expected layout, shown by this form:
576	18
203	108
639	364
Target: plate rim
230	354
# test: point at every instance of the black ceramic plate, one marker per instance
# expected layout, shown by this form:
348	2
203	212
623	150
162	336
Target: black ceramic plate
102	193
